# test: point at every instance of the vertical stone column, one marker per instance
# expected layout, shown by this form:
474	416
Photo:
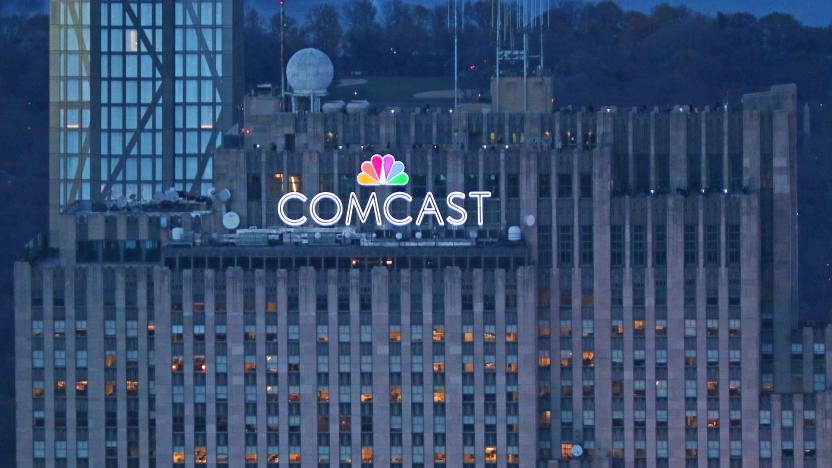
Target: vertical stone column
477	290
355	364
750	320
162	354
307	308
602	171
210	359
23	359
381	365
283	365
650	326
629	407
453	364
71	378
527	363
235	279
188	362
260	353
403	286
427	359
500	313
121	363
675	331
678	149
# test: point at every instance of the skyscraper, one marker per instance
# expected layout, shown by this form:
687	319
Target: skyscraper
624	297
139	95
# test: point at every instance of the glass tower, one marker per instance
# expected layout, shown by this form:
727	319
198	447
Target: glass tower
140	93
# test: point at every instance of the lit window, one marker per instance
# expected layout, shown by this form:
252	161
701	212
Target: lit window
438	334
395	335
395	394
491	454
439	396
200	455
132	40
588	358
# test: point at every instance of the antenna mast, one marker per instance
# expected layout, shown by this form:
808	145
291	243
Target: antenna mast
282	61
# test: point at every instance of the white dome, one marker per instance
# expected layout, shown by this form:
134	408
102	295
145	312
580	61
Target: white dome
309	72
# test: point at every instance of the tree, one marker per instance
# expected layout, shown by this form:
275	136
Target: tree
323	30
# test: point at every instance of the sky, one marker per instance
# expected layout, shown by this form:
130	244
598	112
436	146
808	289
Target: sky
811	12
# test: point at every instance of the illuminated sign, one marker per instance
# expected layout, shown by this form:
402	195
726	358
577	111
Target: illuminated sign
377	172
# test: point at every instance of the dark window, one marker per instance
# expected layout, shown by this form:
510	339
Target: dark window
617	245
586	185
659	245
691	254
638	246
733	244
712	244
565	185
565	245
512	186
586	245
544	186
492	183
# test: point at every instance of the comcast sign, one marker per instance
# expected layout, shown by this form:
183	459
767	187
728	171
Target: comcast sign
382	171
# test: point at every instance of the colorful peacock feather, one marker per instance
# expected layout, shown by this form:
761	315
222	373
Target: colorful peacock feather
382	170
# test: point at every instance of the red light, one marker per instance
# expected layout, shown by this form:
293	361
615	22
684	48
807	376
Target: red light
246	131
472	67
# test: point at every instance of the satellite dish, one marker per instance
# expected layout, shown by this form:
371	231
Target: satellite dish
171	195
418	234
398	236
529	220
577	450
177	234
231	220
224	195
212	191
121	203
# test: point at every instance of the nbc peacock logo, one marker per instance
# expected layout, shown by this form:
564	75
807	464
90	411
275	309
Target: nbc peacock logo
382	170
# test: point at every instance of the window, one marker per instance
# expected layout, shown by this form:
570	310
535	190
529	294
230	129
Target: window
586	185
544	186
691	254
565	245
565	185
617	245
659	245
638	245
712	244
586	245
732	241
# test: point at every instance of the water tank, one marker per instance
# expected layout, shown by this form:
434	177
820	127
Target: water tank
358	107
309	72
514	234
333	107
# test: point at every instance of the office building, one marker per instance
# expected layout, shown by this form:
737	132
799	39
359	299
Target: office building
629	298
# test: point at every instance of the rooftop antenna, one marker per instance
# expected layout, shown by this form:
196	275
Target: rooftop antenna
456	20
282	58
